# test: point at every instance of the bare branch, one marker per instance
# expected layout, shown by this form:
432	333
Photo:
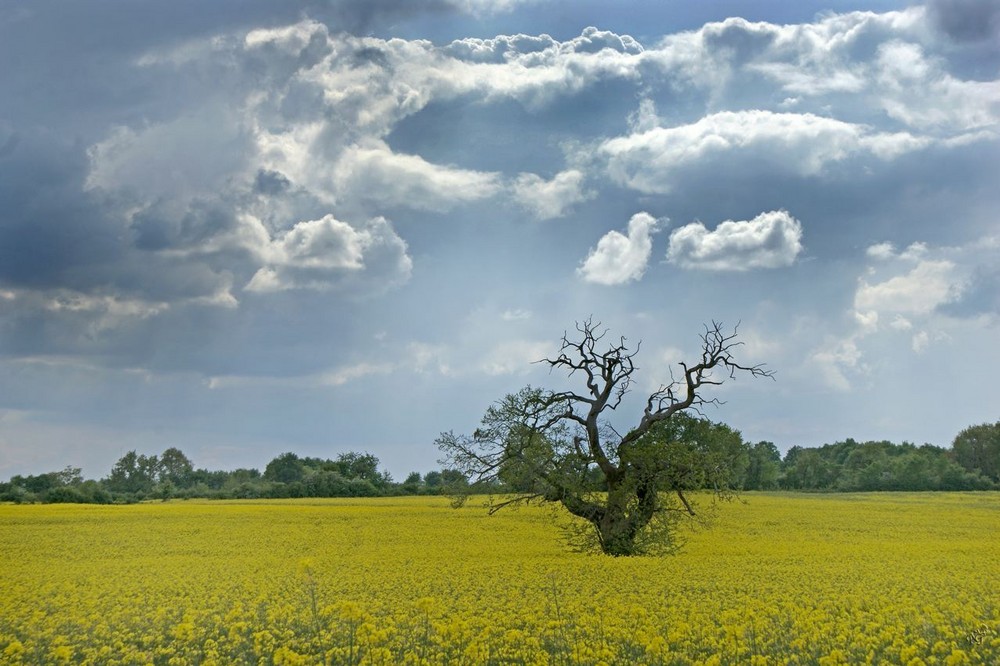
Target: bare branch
717	353
519	499
608	379
687	505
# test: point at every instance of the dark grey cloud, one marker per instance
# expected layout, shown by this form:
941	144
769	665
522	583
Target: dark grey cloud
58	234
967	20
362	16
50	229
270	183
156	228
370	55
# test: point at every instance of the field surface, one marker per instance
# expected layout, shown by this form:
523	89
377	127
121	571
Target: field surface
777	579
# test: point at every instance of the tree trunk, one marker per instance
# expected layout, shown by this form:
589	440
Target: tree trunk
617	536
627	512
615	530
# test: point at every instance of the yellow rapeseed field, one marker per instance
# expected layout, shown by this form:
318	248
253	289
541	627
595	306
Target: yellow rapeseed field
778	579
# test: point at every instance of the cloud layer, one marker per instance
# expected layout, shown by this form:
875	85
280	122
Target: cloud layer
313	205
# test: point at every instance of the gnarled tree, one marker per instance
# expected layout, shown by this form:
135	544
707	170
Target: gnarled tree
557	446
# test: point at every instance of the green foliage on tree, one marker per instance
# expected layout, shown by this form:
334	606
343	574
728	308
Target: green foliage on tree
689	453
977	449
763	467
286	468
808	469
134	474
853	466
362	466
433	480
176	468
413	484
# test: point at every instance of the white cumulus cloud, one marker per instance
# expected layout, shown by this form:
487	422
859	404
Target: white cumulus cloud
881	251
618	257
836	359
548	199
326	253
791	143
409	180
918	91
929	284
770	240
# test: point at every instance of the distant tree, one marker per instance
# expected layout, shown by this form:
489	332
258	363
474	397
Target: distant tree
327	483
953	476
176	468
763	467
808	469
69	476
37	483
361	466
149	471
547	444
877	466
413	484
454	481
244	475
65	495
133	473
95	492
977	448
867	468
362	488
214	479
912	471
286	468
791	455
14	492
164	490
434	482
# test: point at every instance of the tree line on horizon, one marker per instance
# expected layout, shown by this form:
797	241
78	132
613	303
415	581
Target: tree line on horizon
172	475
971	463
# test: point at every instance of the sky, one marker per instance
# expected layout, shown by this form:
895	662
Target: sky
248	227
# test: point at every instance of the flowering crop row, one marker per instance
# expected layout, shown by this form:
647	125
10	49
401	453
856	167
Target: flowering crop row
778	579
